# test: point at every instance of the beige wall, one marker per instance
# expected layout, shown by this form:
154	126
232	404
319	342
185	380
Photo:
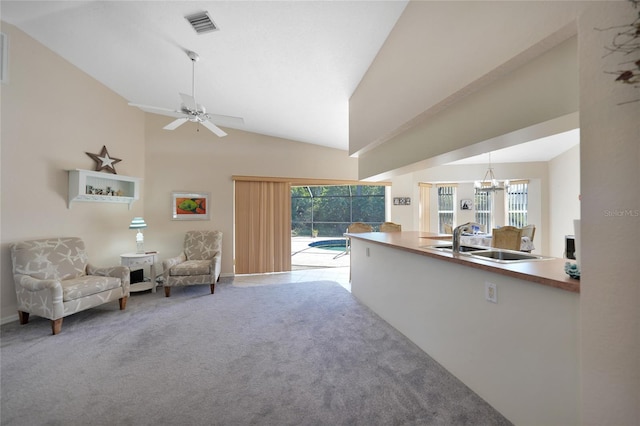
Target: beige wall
52	113
609	384
188	160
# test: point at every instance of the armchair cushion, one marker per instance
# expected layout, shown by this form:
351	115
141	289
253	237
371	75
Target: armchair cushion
202	245
192	267
86	285
58	259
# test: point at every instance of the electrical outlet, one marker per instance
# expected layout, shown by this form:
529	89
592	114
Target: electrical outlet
491	292
368	252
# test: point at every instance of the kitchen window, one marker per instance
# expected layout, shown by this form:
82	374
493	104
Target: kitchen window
517	203
484	208
446	206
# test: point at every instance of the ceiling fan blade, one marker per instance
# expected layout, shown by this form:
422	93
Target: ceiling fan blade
215	129
189	102
158	110
175	124
226	119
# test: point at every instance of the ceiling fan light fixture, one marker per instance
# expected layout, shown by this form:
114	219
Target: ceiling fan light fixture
191	110
202	22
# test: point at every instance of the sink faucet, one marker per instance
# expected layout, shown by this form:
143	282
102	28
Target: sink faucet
456	236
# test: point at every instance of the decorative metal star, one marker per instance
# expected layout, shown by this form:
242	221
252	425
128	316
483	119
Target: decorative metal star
104	161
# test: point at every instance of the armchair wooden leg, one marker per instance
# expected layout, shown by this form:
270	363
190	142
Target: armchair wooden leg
213	286
56	326
24	317
123	303
167	291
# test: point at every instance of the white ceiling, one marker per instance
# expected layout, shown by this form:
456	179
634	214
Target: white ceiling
287	67
543	149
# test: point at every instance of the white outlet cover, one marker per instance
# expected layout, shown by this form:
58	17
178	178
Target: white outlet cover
491	292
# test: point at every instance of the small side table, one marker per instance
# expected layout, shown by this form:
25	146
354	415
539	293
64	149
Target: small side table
138	261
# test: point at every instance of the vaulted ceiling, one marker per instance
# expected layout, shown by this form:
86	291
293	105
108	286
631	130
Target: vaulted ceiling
287	68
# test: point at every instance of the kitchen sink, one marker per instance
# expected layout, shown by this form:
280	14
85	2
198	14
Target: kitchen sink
507	256
463	249
494	255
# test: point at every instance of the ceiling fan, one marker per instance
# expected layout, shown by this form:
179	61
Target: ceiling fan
190	110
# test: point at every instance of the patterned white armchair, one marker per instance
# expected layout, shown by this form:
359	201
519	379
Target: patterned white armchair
53	279
199	263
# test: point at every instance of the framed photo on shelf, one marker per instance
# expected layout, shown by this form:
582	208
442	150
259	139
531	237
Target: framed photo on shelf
190	205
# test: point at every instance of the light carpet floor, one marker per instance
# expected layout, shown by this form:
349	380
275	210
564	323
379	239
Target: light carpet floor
305	353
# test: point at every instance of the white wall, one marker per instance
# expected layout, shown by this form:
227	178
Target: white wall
610	216
609	153
464	175
519	354
541	90
564	205
407	216
424	66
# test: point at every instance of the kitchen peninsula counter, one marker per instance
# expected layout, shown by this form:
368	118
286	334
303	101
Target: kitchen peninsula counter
549	272
508	331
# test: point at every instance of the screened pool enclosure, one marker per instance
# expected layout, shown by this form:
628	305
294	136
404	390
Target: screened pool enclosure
326	211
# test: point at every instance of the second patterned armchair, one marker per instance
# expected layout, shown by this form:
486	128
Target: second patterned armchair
198	264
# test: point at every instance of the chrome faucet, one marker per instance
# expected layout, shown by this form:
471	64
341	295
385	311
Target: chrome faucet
456	236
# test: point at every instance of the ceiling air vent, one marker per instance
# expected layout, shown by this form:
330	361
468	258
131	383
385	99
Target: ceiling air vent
202	22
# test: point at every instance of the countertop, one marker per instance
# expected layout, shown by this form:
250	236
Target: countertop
549	272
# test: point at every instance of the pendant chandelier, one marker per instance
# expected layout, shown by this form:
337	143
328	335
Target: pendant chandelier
489	183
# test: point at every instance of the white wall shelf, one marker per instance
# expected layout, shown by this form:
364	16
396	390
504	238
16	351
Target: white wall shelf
85	185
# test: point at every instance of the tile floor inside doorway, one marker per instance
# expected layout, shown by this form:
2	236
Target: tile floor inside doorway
339	275
307	264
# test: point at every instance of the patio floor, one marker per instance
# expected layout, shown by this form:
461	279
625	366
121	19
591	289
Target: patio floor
306	257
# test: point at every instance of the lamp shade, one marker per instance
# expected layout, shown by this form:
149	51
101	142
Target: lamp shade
137	223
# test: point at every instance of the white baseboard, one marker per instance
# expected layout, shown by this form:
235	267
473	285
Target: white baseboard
6	320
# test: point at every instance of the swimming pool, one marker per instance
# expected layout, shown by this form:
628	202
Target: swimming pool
335	245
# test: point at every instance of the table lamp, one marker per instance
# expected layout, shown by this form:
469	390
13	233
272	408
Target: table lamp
138	224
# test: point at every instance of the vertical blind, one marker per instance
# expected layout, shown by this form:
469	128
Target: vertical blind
484	208
517	203
425	207
446	205
262	221
263	227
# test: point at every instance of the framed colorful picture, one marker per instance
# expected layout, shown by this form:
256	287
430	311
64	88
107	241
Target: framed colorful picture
190	205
